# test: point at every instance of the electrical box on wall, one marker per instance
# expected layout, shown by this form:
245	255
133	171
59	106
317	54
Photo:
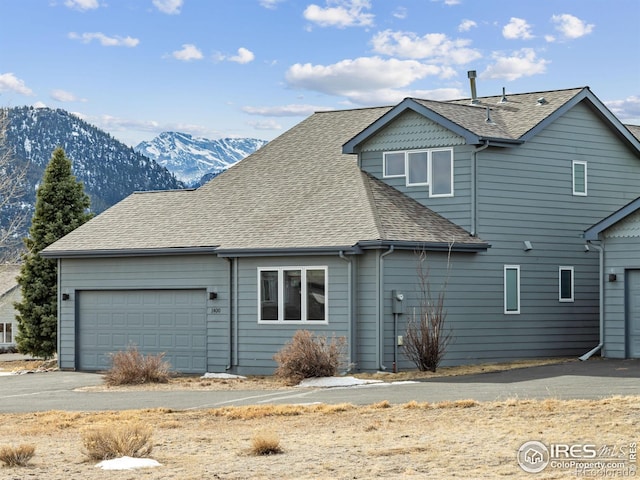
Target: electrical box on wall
397	300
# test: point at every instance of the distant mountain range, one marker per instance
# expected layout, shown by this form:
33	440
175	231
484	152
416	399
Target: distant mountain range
109	169
195	160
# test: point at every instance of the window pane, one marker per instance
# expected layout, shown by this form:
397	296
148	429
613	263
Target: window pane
269	295
566	284
394	164
511	290
315	295
2	333
579	178
292	294
418	168
8	337
442	173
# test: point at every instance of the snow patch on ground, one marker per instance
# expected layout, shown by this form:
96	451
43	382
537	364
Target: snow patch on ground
223	375
127	463
333	382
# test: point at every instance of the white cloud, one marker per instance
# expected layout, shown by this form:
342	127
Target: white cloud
64	96
571	27
522	63
466	25
189	52
243	56
292	110
391	96
346	13
170	7
400	13
627	110
105	41
82	5
435	46
363	79
517	28
265	125
270	4
10	83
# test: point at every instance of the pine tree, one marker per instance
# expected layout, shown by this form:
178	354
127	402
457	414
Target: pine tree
61	206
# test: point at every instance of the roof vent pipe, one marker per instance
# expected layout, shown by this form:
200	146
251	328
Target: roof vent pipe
488	119
504	96
471	74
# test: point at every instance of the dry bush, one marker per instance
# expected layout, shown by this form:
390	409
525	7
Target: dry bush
309	356
131	367
114	441
17	456
265	443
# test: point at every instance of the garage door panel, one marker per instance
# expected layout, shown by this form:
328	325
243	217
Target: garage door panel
172	322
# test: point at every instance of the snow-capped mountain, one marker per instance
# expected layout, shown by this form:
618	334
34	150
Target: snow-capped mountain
109	169
194	159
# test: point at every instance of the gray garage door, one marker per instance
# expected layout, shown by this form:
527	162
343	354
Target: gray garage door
156	321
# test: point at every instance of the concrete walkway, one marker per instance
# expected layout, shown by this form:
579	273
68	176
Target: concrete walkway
596	378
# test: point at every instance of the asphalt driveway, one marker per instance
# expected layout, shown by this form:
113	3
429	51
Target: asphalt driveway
593	379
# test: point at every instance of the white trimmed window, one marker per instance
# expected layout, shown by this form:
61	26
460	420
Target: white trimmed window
432	168
565	284
292	294
511	289
6	333
579	178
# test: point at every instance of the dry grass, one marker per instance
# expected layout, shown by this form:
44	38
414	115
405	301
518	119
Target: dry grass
417	440
265	442
132	367
17	456
113	441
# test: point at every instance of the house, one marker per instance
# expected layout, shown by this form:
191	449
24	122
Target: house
321	229
9	294
617	239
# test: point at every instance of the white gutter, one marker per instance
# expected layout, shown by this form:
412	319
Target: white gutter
380	332
474	182
600	249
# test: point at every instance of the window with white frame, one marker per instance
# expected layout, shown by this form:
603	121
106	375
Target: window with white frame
511	289
579	178
432	168
6	333
565	284
292	294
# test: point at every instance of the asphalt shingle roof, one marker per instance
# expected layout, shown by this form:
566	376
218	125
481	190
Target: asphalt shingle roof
300	191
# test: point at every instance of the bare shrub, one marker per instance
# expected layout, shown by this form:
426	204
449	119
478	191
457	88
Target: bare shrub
131	367
309	356
427	338
114	441
265	443
17	456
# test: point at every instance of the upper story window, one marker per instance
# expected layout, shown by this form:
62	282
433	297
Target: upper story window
579	178
511	289
432	168
292	294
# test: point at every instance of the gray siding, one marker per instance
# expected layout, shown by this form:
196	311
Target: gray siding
164	272
258	342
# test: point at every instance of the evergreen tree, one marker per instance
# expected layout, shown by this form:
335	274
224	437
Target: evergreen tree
61	206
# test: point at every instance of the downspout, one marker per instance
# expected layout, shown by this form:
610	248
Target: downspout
600	249
474	183
350	324
232	344
380	332
59	295
230	324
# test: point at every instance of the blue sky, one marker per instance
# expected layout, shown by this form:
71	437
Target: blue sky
254	68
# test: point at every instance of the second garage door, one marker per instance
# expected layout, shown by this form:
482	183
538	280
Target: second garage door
156	321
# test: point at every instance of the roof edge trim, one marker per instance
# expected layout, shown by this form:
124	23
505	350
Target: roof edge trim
593	232
429	246
129	252
287	251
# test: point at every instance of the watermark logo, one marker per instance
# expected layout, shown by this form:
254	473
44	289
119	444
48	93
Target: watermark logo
533	456
583	459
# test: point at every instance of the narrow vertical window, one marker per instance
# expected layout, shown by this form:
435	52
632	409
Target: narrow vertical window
269	295
441	173
8	334
566	284
579	178
292	295
316	295
418	168
394	164
512	289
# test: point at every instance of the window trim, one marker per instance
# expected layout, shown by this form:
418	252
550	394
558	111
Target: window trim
3	333
505	296
429	183
573	169
304	295
571	286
